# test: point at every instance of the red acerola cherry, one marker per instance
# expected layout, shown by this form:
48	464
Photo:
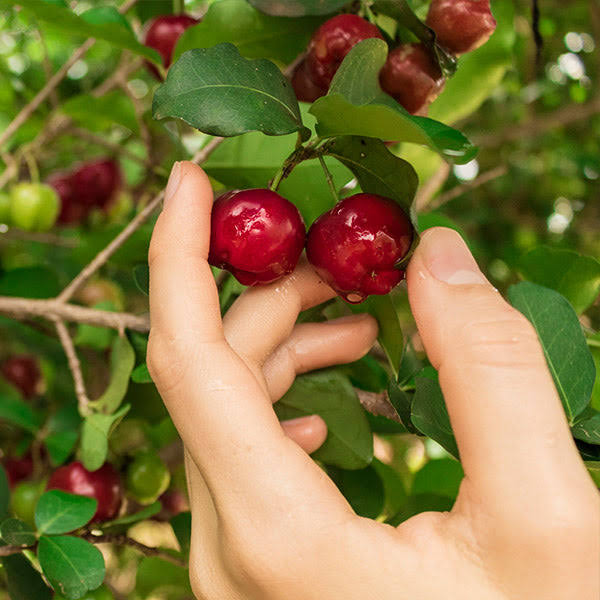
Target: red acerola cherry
306	89
95	184
461	25
163	33
70	210
23	372
411	77
332	41
256	234
103	484
18	469
355	246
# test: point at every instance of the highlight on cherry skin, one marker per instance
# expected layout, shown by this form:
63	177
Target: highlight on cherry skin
257	235
356	245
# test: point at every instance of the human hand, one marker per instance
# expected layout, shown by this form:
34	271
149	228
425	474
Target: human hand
269	524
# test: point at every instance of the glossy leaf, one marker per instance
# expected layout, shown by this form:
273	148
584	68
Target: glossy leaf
563	342
94	437
402	401
72	565
23	582
588	429
255	34
362	488
219	92
59	512
430	416
298	8
101	25
328	393
442	476
122	361
573	275
356	105
17	533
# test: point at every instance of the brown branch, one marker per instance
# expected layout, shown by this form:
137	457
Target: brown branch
431	186
123	540
74	365
377	404
52	309
10	550
104	255
469	185
41	238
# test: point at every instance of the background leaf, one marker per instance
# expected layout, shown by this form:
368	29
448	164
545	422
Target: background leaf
101	113
298	8
328	393
588	429
563	342
17	533
23	582
72	565
59	512
442	476
30	282
219	92
363	488
4	493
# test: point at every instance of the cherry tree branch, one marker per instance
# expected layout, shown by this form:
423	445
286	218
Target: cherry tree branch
74	365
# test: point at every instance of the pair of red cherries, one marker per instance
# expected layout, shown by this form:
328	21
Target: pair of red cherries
259	236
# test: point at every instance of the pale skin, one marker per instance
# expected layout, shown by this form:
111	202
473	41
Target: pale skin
268	524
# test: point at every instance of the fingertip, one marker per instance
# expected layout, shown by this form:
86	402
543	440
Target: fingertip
308	432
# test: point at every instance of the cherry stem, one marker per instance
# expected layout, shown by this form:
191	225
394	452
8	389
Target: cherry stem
178	7
329	178
34	173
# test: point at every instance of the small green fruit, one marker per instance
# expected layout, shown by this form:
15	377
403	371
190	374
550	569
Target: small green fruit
147	477
24	499
34	206
4	208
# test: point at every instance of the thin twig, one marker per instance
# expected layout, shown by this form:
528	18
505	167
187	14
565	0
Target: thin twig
433	184
469	185
72	313
104	255
74	365
41	238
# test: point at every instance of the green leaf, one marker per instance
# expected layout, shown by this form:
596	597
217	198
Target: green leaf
421	503
563	342
395	493
59	512
255	34
122	361
4	493
98	338
219	92
17	411
141	374
442	477
362	488
159	578
298	8
402	402
148	9
142	515
573	275
182	527
141	277
105	14
23	582
17	533
63	431
103	112
30	282
593	468
430	416
71	565
328	393
356	105
94	437
390	330
588	429
103	27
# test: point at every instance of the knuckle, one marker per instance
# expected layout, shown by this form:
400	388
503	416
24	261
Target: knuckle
166	359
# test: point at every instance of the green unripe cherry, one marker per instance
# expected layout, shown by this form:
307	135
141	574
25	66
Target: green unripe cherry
4	208
147	477
24	498
34	206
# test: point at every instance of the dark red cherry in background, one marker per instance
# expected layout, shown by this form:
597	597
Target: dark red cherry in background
18	469
23	372
461	25
163	33
95	184
332	41
103	484
411	77
256	234
70	210
355	246
306	89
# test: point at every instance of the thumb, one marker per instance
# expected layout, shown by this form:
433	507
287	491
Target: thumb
503	406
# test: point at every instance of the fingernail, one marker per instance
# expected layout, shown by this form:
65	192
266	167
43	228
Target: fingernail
174	181
448	258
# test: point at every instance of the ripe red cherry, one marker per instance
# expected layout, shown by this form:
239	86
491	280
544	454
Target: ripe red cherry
18	469
163	33
355	246
461	25
103	484
256	234
95	184
71	211
411	77
306	89
23	372
332	41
